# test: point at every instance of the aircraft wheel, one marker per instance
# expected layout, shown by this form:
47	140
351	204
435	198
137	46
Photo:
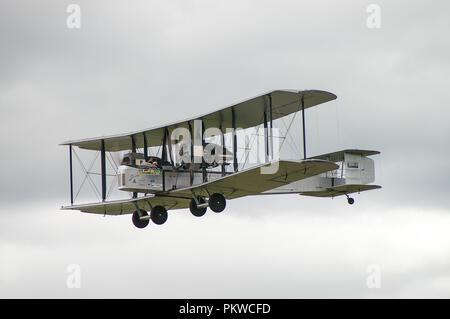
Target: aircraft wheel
217	202
137	221
350	200
196	211
158	215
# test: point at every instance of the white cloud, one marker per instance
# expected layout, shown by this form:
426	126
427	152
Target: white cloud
292	254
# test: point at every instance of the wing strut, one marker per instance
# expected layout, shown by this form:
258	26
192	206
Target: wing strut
133	150
191	171
71	176
303	126
103	167
233	124
266	139
271	126
145	147
204	175
164	150
164	158
169	146
224	150
268	131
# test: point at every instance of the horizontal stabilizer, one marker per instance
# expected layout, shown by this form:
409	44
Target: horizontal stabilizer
339	156
341	190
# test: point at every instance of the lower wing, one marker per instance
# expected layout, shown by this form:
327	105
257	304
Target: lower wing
251	181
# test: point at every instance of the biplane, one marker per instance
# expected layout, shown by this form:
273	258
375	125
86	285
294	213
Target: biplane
194	163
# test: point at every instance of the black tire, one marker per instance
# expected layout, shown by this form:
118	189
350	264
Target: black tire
350	200
196	211
137	221
217	203
158	215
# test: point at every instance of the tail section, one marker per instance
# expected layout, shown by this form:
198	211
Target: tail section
355	174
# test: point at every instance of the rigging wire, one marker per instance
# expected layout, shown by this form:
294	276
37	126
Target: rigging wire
113	182
294	147
112	163
91	182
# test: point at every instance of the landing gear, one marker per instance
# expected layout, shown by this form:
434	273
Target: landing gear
195	210
350	200
137	221
217	202
158	215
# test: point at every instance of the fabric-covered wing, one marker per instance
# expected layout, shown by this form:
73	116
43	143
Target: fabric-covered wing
252	182
243	183
128	206
341	190
246	114
339	156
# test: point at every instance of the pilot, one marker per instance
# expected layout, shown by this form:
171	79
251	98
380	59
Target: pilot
152	162
126	161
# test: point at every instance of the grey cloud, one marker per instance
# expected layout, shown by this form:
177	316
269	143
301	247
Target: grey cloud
132	67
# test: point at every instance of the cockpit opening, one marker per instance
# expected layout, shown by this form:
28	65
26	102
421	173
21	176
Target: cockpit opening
139	160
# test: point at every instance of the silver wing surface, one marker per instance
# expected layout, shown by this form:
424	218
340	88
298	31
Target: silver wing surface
248	113
128	206
252	181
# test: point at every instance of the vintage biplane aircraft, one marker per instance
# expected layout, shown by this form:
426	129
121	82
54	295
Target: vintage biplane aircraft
189	170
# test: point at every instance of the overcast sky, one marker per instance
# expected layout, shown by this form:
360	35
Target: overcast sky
136	65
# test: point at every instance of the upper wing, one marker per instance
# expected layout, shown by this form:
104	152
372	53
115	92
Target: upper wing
127	206
252	181
246	114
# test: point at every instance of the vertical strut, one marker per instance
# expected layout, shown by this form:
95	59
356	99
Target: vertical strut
204	174
133	145
223	149
303	126
71	176
145	147
271	125
233	124
164	150
169	146
164	158
133	150
103	170
191	165
266	139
